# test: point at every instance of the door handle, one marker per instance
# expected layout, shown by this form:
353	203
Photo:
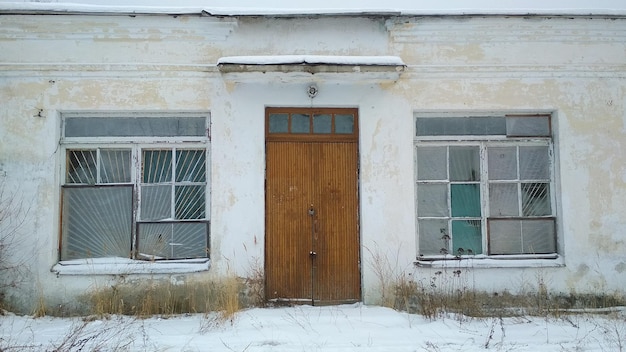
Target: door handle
312	253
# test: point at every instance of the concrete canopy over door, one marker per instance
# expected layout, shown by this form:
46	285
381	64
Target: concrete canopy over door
312	250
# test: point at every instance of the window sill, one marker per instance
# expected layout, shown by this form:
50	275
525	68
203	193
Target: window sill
513	261
124	266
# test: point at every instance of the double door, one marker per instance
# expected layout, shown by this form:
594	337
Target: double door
312	251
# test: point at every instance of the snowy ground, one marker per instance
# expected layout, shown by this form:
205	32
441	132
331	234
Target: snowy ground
305	328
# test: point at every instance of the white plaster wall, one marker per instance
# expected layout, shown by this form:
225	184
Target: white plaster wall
572	67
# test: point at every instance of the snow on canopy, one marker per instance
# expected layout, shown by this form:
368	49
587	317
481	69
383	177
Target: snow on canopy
284	7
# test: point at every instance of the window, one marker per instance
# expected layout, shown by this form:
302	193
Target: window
484	186
135	187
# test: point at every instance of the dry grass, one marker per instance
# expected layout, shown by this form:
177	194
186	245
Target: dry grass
449	292
164	297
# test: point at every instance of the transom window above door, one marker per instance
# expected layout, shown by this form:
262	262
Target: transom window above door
311	123
485	186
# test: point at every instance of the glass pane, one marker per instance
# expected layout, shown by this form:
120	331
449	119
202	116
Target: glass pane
433	236
538	236
114	166
466	237
432	200
172	240
191	165
135	126
464	164
322	123
505	237
97	222
279	123
461	126
502	163
465	199
344	124
157	166
534	163
432	163
536	199
156	202
81	167
503	199
300	123
535	126
190	202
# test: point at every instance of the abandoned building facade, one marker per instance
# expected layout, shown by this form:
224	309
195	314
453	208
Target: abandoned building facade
325	150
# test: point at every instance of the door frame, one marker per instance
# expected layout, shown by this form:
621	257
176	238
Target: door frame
311	137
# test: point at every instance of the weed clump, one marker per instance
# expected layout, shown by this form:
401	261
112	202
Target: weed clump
164	297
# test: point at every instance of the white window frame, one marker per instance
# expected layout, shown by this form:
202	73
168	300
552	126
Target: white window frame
136	145
483	142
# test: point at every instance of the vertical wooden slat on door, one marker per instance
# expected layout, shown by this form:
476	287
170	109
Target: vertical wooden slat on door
337	274
288	230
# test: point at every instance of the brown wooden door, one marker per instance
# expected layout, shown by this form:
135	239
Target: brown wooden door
312	238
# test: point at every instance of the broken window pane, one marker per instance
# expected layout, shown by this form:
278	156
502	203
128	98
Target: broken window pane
97	222
344	124
190	202
322	123
466	237
82	167
190	165
464	164
536	199
172	240
432	163
534	163
503	199
433	236
114	165
432	200
465	199
157	166
300	123
502	163
279	123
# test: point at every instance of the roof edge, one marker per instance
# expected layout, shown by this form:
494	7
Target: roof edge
84	9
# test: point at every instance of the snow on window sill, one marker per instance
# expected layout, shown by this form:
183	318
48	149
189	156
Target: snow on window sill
123	266
509	261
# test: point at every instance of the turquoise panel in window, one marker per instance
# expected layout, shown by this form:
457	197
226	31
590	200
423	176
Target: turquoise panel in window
466	237
279	123
464	164
465	199
322	123
300	123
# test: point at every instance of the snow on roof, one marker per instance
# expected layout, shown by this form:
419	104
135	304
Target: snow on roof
323	7
312	60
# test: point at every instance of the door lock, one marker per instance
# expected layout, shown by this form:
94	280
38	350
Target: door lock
311	211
